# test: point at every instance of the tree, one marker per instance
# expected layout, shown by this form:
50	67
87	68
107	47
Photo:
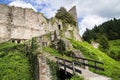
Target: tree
110	29
63	15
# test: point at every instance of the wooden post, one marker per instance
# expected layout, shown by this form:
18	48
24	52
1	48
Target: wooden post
73	67
95	66
84	63
58	63
64	66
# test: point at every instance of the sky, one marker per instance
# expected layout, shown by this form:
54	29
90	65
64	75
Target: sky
89	12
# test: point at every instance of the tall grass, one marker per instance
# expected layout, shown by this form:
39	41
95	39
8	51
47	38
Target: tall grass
14	64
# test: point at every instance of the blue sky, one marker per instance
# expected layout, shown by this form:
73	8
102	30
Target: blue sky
89	12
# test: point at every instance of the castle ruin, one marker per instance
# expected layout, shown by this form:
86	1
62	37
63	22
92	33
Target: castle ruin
20	24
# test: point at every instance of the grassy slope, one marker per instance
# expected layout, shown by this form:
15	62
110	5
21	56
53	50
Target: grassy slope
115	49
14	65
115	45
112	67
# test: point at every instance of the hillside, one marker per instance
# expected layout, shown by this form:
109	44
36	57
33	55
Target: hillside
112	67
25	59
14	65
18	63
103	34
115	49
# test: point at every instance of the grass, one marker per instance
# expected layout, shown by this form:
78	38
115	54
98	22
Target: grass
115	45
115	49
54	52
112	67
7	45
14	65
76	77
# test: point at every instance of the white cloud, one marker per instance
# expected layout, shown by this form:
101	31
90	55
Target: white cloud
89	22
104	8
50	7
91	11
19	3
50	12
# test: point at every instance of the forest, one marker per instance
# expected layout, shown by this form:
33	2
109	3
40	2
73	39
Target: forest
104	34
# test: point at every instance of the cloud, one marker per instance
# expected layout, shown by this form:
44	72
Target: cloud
48	12
50	7
90	12
90	21
104	8
95	12
19	3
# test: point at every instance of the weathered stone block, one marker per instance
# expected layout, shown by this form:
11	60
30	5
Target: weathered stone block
18	16
19	32
4	33
4	14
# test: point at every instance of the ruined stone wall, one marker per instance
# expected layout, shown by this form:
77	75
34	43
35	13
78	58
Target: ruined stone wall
22	23
19	23
4	23
72	11
76	34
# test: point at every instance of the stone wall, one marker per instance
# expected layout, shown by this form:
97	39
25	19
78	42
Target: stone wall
44	70
23	23
73	12
19	23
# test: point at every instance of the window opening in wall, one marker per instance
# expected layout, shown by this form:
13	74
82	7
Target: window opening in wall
13	41
59	27
18	41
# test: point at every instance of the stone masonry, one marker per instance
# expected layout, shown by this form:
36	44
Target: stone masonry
22	23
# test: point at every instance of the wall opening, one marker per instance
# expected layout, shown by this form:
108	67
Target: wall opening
13	41
63	75
18	41
59	27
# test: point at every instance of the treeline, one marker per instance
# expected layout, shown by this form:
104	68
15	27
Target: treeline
109	29
102	34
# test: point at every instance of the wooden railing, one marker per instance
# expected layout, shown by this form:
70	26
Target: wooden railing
67	64
85	62
78	61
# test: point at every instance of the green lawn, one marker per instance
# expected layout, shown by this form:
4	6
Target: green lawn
14	65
